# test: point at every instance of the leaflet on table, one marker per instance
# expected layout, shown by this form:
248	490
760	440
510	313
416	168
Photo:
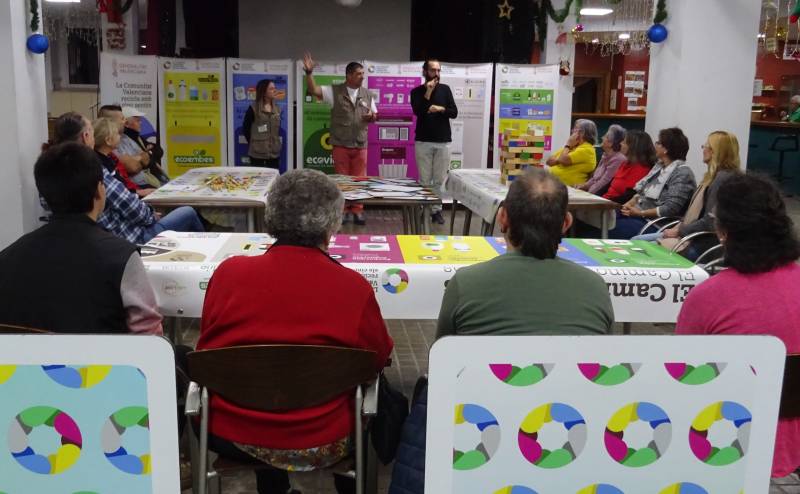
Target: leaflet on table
218	183
314	117
471	86
131	80
191	116
524	100
391	139
243	77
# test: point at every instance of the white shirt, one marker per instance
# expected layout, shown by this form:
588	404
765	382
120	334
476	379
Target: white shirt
327	96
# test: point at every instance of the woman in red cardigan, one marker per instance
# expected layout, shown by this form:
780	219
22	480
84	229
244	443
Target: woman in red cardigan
640	156
293	294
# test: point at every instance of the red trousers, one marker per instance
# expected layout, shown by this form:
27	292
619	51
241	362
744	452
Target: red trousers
350	161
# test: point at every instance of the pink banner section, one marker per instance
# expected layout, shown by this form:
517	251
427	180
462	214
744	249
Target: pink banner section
391	138
365	248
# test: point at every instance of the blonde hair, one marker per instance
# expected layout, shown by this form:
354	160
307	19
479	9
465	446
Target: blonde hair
104	128
724	154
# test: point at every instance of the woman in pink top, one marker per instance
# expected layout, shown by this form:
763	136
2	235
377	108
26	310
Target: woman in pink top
759	292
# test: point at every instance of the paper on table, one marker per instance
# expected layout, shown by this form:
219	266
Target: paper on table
394	188
388	193
356	195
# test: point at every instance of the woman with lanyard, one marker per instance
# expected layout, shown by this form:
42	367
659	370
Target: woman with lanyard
261	127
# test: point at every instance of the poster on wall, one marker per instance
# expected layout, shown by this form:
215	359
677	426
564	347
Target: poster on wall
524	98
131	80
391	138
191	113
634	84
243	78
314	117
471	86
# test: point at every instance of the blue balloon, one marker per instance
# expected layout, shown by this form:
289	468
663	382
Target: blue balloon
38	43
657	33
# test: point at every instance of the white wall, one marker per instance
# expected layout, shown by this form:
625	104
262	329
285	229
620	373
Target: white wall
376	30
23	104
562	111
701	77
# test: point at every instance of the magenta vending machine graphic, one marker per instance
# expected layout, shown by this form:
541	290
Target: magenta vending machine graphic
391	137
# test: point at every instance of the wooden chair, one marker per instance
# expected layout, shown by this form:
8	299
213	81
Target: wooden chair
790	393
11	329
277	377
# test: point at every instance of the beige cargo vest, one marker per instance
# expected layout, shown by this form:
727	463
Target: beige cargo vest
347	127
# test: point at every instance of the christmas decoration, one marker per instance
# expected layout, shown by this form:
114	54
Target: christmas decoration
661	12
34	15
578	28
795	13
563	67
505	10
657	33
37	43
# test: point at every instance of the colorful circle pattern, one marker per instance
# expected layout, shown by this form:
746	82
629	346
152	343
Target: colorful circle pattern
112	440
528	436
6	371
689	374
489	428
698	433
77	377
600	489
684	488
515	489
614	437
608	375
521	376
45	464
394	280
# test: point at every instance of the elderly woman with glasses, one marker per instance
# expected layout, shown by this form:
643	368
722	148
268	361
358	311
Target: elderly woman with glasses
610	162
577	160
293	294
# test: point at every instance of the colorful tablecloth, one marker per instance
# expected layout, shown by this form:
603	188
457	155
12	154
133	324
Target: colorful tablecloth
409	272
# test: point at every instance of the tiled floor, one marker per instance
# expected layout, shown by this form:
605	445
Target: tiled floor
410	359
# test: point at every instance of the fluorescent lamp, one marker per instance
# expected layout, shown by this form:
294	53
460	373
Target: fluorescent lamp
596	40
63	1
595	11
625	36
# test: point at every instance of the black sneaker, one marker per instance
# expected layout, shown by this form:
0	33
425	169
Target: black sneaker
359	219
437	218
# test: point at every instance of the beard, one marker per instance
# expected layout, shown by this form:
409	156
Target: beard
429	78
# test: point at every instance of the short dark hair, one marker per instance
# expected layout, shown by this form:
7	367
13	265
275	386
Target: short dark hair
352	67
67	176
675	142
105	108
640	148
536	205
68	128
428	61
759	235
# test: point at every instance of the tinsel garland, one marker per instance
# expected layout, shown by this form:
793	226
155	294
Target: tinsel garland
34	15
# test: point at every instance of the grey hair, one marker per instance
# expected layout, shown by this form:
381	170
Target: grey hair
616	134
588	129
795	99
304	207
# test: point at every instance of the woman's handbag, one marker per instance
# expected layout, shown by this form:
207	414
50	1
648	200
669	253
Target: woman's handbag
387	425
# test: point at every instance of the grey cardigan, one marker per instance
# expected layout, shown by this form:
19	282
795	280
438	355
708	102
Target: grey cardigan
706	221
676	194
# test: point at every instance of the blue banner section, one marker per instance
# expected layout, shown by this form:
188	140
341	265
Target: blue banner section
565	251
527	112
244	95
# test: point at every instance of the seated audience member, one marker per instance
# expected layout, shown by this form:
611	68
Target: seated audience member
759	292
721	155
268	300
640	157
132	163
70	276
609	163
664	191
106	140
132	144
573	164
528	290
126	215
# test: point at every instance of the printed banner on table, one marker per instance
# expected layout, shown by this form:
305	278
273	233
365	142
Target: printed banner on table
524	98
131	80
602	415
243	76
192	113
391	138
314	117
472	87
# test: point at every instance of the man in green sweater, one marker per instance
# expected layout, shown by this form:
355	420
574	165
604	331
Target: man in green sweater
528	290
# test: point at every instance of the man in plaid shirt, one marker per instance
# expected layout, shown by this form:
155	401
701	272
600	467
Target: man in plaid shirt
129	217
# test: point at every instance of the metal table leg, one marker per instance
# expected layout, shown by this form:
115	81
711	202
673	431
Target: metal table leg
453	216
467	221
251	220
603	224
426	220
626	328
406	222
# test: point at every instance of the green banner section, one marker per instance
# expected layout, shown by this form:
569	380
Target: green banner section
316	121
526	96
636	253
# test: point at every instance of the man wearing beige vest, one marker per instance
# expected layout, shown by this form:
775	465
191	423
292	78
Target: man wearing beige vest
353	108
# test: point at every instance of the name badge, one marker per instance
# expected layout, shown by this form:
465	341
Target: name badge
262	128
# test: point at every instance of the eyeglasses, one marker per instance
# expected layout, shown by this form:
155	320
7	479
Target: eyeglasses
705	146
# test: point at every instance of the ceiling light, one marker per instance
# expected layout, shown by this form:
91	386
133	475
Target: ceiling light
63	1
595	11
625	36
596	40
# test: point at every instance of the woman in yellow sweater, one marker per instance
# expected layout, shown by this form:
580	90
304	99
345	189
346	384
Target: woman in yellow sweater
575	163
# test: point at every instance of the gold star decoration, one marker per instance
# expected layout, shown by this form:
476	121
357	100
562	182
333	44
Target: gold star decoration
505	10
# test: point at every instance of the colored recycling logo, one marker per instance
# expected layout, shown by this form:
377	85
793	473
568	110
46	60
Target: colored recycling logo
61	457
